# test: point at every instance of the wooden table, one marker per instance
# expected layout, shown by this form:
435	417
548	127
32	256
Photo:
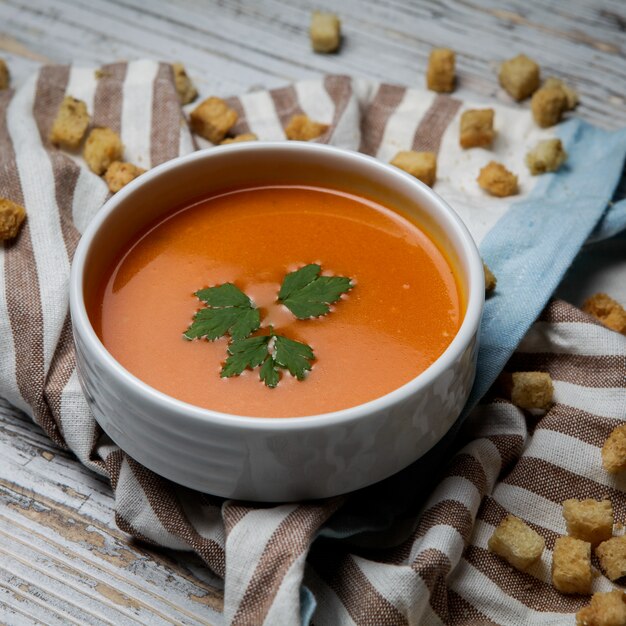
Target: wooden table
62	558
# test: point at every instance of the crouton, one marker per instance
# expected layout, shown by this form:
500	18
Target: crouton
612	556
497	180
546	156
548	105
103	147
11	217
240	138
70	124
422	165
477	128
571	565
5	77
570	93
440	75
490	279
325	32
605	609
212	119
302	128
186	90
119	174
516	543
99	74
528	390
589	520
614	451
608	311
519	76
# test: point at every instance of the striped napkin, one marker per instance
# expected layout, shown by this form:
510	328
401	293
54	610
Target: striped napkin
410	550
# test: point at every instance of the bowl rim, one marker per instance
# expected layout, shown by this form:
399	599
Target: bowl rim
81	324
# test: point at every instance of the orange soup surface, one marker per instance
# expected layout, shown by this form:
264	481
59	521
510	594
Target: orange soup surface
402	313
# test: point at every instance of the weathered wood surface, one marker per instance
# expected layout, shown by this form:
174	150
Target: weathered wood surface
230	46
62	559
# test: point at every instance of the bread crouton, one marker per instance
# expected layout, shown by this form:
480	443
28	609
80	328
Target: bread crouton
516	542
422	165
212	119
302	128
239	138
70	124
325	32
519	76
605	609
5	77
614	451
440	75
103	147
528	390
589	520
11	217
606	310
547	156
99	74
495	179
477	128
119	174
490	279
185	88
571	565
612	556
548	105
570	93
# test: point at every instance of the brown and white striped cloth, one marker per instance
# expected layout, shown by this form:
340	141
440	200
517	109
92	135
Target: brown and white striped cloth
393	554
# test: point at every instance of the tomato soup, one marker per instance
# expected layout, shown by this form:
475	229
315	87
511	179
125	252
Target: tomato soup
402	312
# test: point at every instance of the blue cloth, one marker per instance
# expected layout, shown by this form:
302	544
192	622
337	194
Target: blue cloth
535	242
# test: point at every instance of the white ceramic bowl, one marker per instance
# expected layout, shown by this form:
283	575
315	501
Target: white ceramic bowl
263	458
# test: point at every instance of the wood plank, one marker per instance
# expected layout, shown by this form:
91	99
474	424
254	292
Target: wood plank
20	604
232	47
56	545
64	551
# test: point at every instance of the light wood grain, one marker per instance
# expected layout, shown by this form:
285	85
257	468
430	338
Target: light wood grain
61	552
62	559
232	46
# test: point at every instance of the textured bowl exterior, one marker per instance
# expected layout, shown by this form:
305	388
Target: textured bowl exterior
269	459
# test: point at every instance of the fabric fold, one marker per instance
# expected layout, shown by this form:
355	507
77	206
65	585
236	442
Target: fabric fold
412	549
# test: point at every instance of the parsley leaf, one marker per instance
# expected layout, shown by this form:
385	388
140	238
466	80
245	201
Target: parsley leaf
294	281
307	294
283	353
229	310
293	355
245	353
268	373
224	295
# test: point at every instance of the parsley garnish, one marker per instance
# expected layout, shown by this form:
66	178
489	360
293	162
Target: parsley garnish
305	292
294	356
245	353
229	310
269	373
271	352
